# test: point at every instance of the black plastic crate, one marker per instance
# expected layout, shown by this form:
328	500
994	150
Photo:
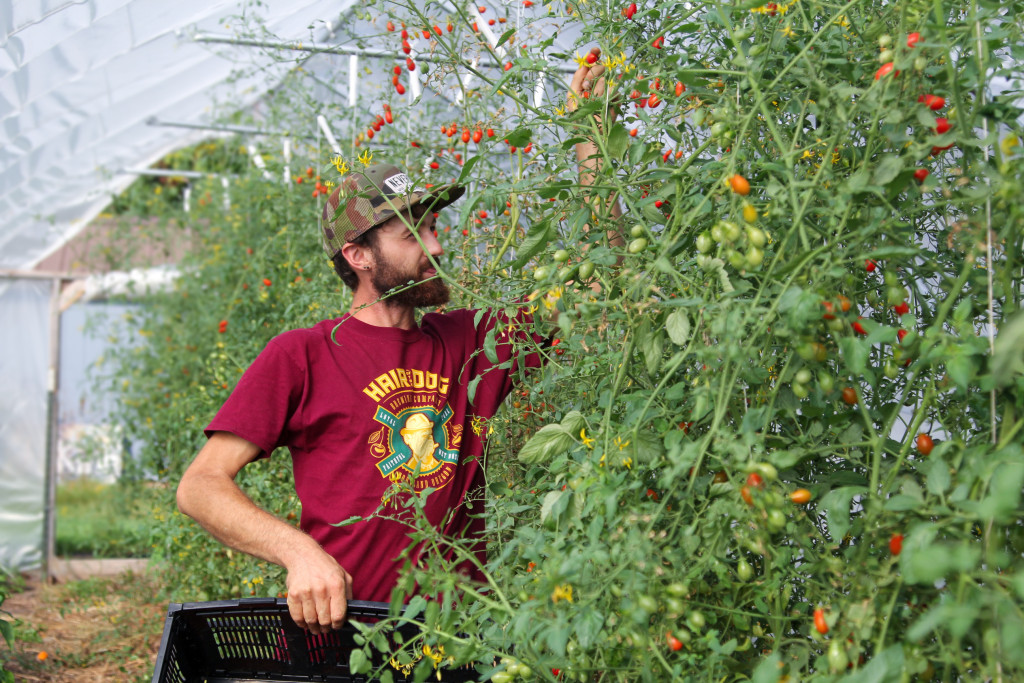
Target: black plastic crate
231	641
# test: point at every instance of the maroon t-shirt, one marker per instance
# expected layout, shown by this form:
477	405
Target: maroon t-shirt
361	407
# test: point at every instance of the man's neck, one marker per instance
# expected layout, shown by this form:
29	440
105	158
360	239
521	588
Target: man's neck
372	311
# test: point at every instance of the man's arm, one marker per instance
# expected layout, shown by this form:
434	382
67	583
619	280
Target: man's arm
589	83
318	587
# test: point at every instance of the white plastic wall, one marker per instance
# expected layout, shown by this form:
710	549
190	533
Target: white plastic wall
24	362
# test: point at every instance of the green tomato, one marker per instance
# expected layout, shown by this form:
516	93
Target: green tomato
836	325
565	273
705	243
637	245
800	391
716	232
802	376
674	605
719	129
776	520
920	63
826	381
886	56
895	295
744	571
678	589
647	604
742	34
736	259
837	659
696	620
754	257
758	50
765	469
561	256
586	270
884	41
756	237
890	370
699	116
637	231
501	677
541	273
525	671
731	231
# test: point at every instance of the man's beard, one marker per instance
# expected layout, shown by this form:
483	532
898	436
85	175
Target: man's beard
385	277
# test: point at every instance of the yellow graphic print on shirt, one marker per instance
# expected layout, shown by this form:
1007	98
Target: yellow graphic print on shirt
416	436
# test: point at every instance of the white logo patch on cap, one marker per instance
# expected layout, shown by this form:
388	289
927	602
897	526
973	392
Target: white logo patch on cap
399	183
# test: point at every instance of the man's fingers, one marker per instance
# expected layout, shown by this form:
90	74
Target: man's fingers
339	606
296	611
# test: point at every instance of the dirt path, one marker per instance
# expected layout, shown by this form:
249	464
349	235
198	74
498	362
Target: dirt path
94	629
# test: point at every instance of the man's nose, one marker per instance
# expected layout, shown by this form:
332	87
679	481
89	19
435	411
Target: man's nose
432	245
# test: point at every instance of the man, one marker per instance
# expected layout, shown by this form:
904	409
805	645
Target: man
364	402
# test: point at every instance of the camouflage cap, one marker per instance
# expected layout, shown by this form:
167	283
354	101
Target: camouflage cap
365	199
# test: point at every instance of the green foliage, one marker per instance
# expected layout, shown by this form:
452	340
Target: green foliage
805	333
104	520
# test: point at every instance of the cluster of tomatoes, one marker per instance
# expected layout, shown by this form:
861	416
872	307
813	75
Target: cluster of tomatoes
742	248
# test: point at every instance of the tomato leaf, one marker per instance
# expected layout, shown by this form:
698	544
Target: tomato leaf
618	140
537	237
836	504
588	625
887	170
491	345
677	324
769	670
1008	358
358	662
855	354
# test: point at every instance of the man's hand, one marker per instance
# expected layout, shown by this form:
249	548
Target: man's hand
589	83
318	588
318	591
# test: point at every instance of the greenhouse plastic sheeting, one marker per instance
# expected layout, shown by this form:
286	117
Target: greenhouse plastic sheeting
80	80
24	359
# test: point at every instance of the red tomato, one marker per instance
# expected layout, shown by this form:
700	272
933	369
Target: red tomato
920	174
902	309
745	494
885	70
913	39
942	125
924	444
755	480
933	102
870	265
896	544
850	396
819	621
674	643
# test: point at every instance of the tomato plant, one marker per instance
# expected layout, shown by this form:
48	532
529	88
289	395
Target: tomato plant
710	317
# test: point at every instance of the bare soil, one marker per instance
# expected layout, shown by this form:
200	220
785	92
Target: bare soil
95	629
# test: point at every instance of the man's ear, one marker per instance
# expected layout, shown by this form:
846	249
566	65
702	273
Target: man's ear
359	257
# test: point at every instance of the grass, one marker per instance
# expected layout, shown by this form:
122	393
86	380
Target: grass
104	520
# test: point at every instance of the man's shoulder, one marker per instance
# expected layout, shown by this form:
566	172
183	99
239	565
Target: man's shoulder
457	318
304	337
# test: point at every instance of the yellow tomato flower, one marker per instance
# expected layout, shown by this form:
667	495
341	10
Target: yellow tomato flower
365	158
563	592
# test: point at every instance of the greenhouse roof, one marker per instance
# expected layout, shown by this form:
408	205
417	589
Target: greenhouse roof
94	89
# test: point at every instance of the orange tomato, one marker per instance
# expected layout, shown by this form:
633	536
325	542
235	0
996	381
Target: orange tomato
739	184
800	496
